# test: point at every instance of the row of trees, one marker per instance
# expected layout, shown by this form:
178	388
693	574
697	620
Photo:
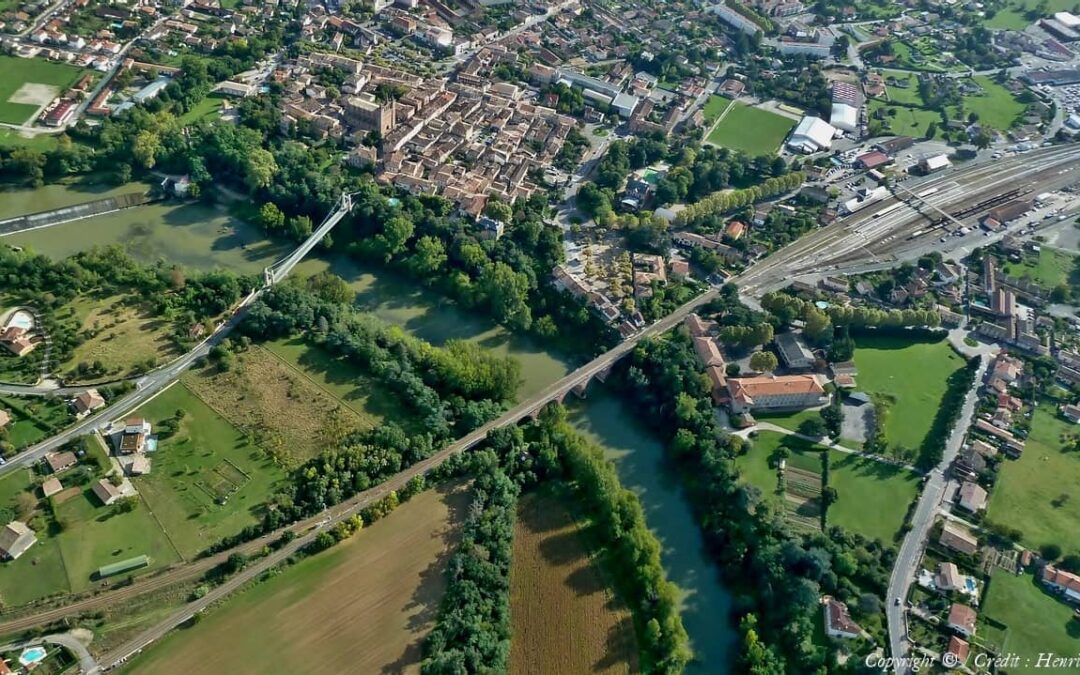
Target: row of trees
472	633
787	307
722	202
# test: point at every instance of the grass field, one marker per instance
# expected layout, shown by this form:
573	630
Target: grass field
205	460
563	617
1037	621
1028	494
10	138
903	121
908	94
872	497
96	535
1049	268
859	482
208	108
16	72
713	107
789	420
996	107
1013	17
752	130
364	606
344	381
292	416
119	333
915	393
34	418
38	572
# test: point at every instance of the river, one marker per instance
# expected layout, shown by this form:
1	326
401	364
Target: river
207	237
639	459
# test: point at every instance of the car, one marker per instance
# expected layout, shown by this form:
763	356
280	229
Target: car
896	601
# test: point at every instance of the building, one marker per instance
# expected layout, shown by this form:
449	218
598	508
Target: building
59	461
838	623
61	114
872	160
775	392
87	402
1065	583
957	651
17	340
949	578
235	89
793	351
367	114
958	539
107	492
1006	214
5	418
1003	302
1070	412
134	437
934	164
972	497
709	352
15	538
813	134
844	116
962	619
51	486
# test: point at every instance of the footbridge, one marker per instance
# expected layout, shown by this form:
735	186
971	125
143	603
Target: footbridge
280	269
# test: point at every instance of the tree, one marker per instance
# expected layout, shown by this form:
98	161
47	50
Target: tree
763	362
271	218
813	427
145	148
1050	552
260	168
499	210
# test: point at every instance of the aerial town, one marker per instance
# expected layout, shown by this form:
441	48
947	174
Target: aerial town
550	336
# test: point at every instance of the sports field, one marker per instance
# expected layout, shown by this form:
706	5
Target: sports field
715	105
1036	621
28	84
207	480
1037	493
563	616
293	416
751	130
914	394
364	606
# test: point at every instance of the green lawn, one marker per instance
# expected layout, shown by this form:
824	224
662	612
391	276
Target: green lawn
209	107
15	72
1013	17
96	535
908	94
10	138
198	464
1049	268
344	381
903	121
1037	493
34	418
996	106
714	106
789	420
751	130
1037	621
872	497
913	376
38	572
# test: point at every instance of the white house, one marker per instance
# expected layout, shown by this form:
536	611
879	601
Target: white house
15	538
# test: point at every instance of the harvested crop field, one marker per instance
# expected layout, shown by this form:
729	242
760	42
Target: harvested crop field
564	618
294	418
364	606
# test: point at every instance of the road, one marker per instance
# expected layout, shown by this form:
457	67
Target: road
911	549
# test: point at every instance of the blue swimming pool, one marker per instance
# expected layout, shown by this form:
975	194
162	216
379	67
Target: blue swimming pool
32	655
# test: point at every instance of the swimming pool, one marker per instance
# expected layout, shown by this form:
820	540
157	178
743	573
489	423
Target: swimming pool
32	655
20	319
970	583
